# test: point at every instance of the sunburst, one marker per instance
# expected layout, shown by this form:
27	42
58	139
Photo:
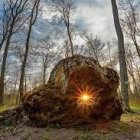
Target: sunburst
85	97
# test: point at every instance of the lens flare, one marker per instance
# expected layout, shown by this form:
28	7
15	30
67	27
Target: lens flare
85	97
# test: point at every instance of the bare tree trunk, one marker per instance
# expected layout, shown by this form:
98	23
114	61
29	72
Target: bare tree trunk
137	47
131	73
66	48
70	40
1	91
33	17
3	67
1	43
122	59
25	85
65	8
44	75
134	83
15	85
129	88
11	14
109	54
22	77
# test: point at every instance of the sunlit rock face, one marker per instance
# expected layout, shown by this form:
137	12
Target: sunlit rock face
79	91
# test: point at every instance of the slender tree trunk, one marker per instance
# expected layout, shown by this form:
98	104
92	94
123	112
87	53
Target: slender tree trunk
122	58
134	84
23	67
25	85
15	85
33	17
1	43
1	91
129	88
17	98
3	67
66	48
109	53
137	47
44	75
95	55
70	40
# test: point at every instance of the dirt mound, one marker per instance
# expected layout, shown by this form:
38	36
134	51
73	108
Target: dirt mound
79	91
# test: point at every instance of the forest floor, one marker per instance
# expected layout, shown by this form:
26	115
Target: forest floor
127	129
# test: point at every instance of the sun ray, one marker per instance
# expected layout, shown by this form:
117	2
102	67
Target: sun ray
85	97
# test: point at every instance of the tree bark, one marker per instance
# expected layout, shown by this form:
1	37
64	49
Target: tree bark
122	58
1	43
3	67
33	17
137	47
70	40
44	75
22	77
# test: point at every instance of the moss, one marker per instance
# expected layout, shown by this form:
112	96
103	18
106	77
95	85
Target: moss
135	104
130	117
84	137
45	137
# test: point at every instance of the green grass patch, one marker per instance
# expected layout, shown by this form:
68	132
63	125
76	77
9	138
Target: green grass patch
9	102
135	104
84	137
130	117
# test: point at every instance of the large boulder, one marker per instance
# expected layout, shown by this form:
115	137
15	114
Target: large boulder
79	91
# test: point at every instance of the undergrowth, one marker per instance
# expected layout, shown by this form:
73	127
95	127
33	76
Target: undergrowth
9	102
135	104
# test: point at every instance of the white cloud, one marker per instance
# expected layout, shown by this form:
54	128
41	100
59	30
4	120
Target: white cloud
96	18
46	13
